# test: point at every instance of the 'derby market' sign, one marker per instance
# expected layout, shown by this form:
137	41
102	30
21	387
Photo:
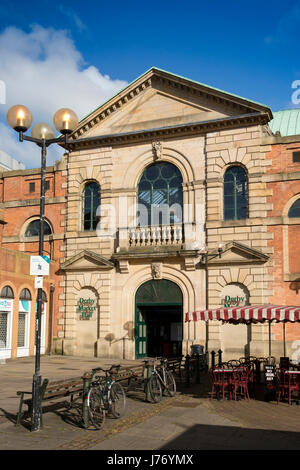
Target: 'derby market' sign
229	302
86	308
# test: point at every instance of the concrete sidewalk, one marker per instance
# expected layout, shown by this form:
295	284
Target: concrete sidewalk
188	421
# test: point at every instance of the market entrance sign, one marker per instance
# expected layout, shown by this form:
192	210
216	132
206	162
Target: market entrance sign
86	308
234	295
233	301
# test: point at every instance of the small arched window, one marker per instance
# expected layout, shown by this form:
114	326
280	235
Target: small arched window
295	209
235	194
25	295
91	202
33	229
44	297
7	293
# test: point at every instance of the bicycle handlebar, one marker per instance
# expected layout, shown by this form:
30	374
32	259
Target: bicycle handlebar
107	371
158	358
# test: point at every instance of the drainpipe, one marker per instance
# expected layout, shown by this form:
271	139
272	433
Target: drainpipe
206	243
51	322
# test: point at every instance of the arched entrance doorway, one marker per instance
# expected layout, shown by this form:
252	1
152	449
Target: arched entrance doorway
158	319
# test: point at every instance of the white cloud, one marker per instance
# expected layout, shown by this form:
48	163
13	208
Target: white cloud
44	71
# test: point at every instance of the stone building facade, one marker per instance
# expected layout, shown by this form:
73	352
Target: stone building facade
165	173
144	277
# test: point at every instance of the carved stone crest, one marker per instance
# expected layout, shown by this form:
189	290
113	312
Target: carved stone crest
157	150
156	269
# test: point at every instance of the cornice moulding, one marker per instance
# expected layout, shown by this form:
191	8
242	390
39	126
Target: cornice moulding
193	128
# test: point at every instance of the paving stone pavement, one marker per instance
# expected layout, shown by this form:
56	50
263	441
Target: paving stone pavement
188	421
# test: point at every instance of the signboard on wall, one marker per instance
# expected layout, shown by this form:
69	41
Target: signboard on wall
6	305
234	295
86	308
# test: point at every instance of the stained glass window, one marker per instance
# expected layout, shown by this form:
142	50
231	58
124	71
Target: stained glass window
160	192
235	194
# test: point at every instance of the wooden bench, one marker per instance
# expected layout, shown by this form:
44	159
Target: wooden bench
51	390
174	364
136	377
130	373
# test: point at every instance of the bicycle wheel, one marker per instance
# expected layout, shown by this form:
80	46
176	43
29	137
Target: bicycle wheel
96	412
116	400
170	384
155	389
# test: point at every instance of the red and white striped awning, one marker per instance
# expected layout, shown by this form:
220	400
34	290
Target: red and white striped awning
254	313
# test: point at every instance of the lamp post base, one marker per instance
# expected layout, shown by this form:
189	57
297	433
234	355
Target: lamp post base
36	411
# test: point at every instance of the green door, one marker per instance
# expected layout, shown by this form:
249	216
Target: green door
141	334
152	293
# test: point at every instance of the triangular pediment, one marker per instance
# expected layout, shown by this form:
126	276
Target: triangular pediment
237	253
159	99
87	260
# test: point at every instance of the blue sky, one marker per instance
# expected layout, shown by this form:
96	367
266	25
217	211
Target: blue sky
81	53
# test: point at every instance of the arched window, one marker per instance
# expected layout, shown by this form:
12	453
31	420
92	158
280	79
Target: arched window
295	209
6	311
25	295
33	229
160	192
44	296
235	194
91	202
7	293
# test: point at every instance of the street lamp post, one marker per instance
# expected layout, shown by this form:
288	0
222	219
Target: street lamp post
205	257
65	121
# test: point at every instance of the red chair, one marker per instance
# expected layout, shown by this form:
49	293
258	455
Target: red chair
234	363
221	382
287	384
240	381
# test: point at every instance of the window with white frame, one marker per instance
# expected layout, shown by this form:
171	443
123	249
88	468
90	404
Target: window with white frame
24	319
6	311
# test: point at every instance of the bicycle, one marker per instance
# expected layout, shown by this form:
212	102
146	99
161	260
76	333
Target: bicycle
161	380
105	395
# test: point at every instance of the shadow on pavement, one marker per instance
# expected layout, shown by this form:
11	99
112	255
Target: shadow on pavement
205	437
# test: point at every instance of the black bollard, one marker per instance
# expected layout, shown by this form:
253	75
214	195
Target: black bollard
198	369
220	357
213	358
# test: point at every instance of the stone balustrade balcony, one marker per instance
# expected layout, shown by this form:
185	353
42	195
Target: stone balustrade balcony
157	241
159	235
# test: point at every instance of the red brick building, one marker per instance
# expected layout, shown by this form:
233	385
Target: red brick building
283	179
19	228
